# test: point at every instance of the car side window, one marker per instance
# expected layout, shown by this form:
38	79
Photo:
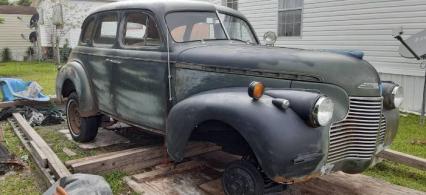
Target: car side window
106	33
86	37
140	30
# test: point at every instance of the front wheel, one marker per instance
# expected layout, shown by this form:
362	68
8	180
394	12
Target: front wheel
242	177
82	129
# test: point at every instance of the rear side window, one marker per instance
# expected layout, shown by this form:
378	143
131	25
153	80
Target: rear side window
87	32
140	30
106	33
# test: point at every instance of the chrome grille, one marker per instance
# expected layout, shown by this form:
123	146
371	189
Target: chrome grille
357	135
382	131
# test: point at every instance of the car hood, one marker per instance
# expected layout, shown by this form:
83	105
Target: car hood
328	67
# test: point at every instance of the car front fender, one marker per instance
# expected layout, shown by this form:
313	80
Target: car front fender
74	73
283	143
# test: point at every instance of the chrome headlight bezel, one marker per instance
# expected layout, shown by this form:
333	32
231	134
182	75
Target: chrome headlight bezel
322	113
398	96
393	95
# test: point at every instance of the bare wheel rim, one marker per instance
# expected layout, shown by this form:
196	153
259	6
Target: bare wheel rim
239	181
73	116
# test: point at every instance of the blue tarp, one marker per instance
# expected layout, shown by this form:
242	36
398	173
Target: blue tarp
13	89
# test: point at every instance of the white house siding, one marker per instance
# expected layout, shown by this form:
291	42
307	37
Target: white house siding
354	24
74	13
10	35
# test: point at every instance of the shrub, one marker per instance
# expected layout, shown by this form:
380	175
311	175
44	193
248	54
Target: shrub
6	55
65	51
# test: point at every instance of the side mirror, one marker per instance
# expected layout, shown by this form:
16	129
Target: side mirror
270	38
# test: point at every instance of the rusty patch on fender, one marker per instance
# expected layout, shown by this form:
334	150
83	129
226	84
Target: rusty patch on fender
283	180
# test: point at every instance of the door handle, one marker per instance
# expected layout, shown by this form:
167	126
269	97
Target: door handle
113	61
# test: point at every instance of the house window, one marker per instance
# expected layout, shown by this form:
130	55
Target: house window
231	4
290	17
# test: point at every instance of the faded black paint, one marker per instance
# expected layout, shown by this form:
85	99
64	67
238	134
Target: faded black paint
209	81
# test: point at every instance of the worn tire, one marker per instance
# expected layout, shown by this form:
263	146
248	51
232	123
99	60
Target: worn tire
82	129
242	177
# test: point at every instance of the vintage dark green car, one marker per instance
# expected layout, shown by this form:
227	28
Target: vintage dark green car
196	71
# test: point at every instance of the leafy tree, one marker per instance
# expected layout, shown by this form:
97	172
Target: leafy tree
24	2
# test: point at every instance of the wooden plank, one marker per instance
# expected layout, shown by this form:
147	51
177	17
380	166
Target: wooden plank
187	182
38	154
195	182
406	159
55	164
167	170
133	159
350	184
213	187
45	172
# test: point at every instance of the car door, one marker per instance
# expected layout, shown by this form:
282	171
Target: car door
97	61
140	85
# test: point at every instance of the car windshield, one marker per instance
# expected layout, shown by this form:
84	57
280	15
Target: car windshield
201	26
237	28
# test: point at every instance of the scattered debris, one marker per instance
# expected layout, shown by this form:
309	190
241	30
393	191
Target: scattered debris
36	116
69	152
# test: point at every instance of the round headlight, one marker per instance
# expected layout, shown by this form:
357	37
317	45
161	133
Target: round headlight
323	111
398	96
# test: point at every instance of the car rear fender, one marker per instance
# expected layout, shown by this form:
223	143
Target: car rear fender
73	77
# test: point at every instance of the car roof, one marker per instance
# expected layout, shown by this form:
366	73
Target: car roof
163	7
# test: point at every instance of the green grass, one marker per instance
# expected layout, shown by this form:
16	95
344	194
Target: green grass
43	73
58	142
411	131
116	181
410	139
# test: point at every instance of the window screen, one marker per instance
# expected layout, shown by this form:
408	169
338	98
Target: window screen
290	17
107	30
140	30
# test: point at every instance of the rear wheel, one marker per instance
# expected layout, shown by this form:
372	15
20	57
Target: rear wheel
82	129
242	177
